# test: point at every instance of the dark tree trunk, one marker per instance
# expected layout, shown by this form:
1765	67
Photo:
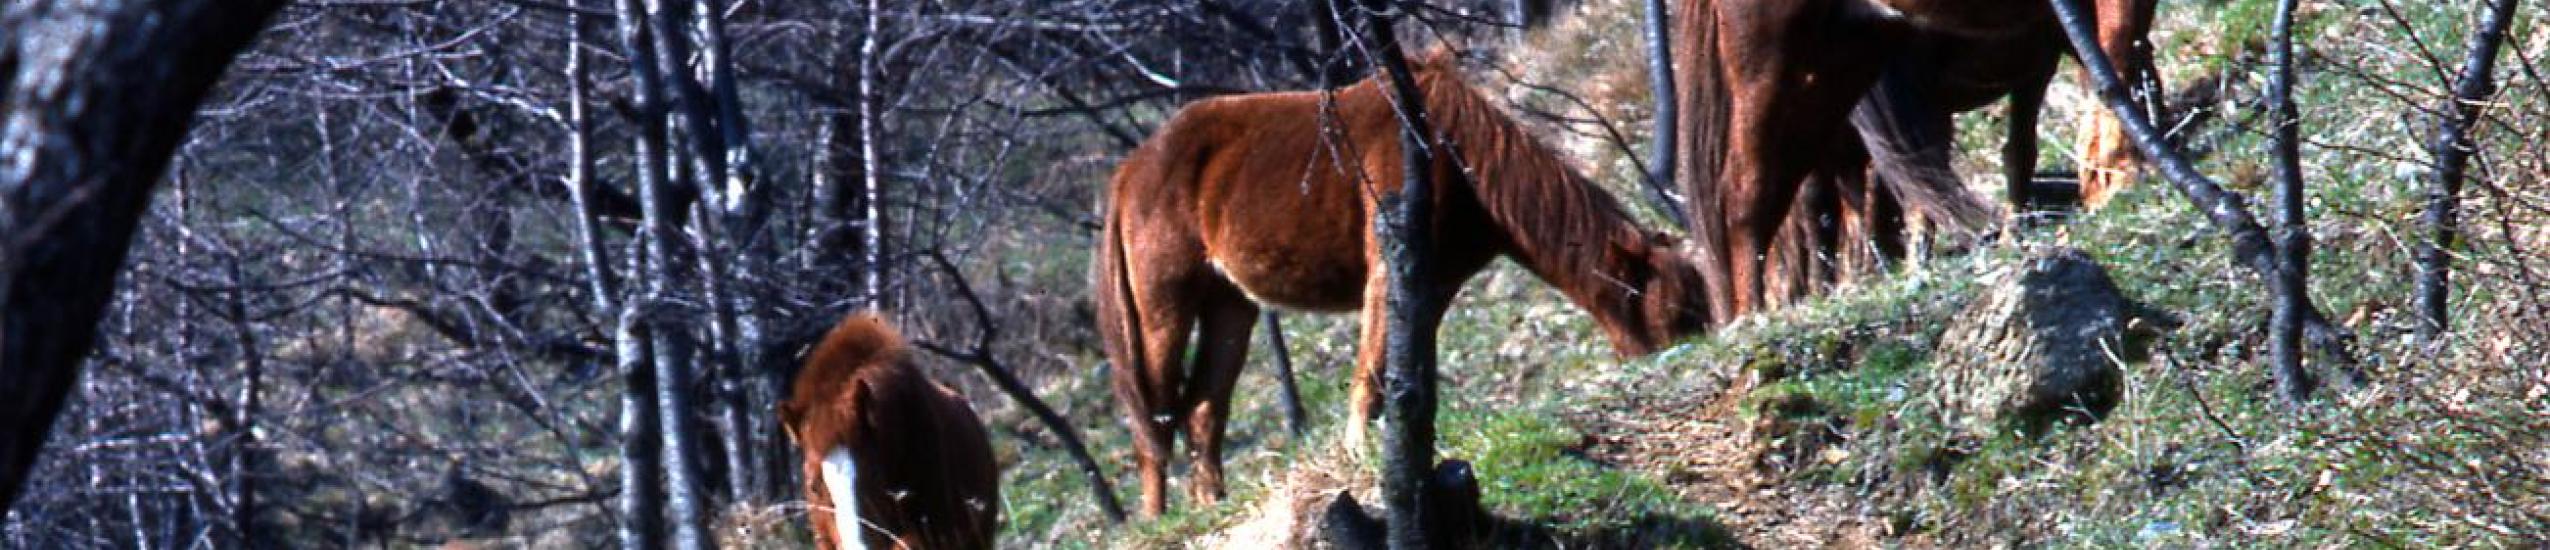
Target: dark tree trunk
2293	240
79	178
2452	148
1660	145
2228	212
245	459
672	352
1405	228
641	510
1335	67
1296	419
641	449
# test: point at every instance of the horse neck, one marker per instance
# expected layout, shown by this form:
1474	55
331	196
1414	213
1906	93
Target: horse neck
1560	226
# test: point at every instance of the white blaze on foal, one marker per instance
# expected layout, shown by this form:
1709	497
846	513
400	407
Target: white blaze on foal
841	477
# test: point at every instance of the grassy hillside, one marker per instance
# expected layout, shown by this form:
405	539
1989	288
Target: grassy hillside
1808	425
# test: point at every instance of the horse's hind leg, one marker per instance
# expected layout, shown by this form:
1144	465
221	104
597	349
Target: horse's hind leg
1790	101
1222	340
1150	394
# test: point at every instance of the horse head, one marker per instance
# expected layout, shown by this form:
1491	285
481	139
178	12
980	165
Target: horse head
1672	298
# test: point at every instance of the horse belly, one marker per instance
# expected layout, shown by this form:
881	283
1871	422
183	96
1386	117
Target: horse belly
1303	276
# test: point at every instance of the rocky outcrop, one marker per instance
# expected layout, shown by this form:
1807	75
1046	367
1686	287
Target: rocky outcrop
2044	339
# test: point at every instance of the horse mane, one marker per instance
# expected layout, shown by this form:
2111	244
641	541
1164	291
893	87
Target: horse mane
1562	226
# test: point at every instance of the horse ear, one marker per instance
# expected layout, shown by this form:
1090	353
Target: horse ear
1629	261
873	417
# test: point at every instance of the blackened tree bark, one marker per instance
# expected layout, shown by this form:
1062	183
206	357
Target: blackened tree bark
1296	419
1405	227
1660	145
2452	148
2228	212
2293	241
94	97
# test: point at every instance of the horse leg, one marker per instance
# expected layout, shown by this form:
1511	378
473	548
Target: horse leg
1363	391
2107	155
1150	394
1789	102
2018	151
1227	319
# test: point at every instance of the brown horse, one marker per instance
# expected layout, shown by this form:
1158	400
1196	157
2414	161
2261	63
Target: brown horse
892	459
1267	199
1771	85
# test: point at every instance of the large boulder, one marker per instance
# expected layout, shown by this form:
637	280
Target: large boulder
2044	339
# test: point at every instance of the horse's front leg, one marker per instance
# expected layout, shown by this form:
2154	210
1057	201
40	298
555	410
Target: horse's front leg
2108	158
1364	391
2018	151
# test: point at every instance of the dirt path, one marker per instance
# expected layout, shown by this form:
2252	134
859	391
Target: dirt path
1702	447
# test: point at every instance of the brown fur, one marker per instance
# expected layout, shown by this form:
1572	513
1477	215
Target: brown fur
1266	198
1771	84
926	474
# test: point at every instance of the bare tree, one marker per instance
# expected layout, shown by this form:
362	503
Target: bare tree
2228	212
2452	148
1661	146
2291	281
1405	227
71	199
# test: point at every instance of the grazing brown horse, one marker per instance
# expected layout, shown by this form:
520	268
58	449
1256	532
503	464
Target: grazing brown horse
1267	199
892	459
1772	84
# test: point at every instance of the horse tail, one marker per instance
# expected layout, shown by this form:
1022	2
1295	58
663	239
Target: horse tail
1907	138
1119	322
1707	115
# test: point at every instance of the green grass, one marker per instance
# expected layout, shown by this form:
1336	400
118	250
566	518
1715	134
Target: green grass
2196	453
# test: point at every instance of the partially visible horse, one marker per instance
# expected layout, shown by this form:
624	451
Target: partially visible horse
892	459
1770	87
1268	199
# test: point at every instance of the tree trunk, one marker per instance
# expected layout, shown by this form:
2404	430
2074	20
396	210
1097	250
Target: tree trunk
2293	241
641	452
2452	148
1296	420
641	507
1661	146
114	92
747	220
2228	212
672	351
244	460
1405	229
1336	68
872	220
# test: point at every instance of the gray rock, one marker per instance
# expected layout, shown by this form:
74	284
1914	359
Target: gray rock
2044	339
